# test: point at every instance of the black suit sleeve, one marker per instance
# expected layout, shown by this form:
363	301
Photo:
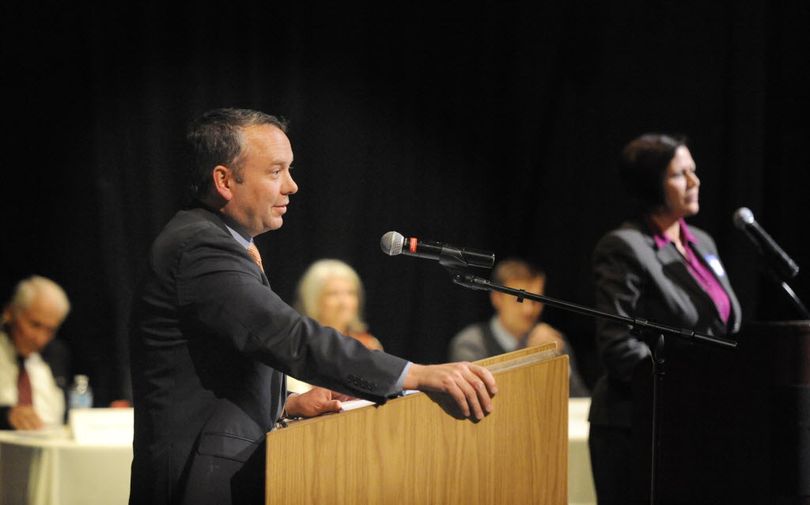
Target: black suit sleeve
57	355
619	286
219	288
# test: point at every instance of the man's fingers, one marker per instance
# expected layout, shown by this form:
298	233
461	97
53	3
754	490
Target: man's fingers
476	393
458	395
483	395
467	396
486	376
470	386
333	406
342	397
24	418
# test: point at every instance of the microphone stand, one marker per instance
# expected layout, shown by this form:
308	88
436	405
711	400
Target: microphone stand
778	267
639	326
797	303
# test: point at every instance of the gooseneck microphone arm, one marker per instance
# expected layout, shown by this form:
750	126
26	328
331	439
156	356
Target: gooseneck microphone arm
797	303
778	265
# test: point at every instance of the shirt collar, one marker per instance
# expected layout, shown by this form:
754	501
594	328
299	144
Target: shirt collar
662	240
503	337
238	231
239	237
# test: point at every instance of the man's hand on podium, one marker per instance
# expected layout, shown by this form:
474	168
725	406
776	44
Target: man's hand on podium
314	402
470	386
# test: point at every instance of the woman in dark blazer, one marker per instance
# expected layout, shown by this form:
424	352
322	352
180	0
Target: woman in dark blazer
654	267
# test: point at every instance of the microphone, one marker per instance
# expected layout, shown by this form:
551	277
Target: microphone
744	220
393	244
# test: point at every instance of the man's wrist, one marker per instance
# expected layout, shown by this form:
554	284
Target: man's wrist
412	376
286	417
291	400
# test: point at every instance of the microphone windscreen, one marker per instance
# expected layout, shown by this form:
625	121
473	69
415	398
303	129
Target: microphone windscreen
391	243
743	217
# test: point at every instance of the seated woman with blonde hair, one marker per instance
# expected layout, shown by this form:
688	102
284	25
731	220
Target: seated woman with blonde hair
331	292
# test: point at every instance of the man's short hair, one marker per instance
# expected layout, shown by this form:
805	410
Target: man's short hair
514	269
215	138
28	289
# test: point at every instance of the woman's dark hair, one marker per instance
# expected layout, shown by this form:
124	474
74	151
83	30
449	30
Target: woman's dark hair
643	169
215	138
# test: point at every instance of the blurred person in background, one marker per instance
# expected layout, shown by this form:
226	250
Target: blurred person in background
515	324
331	292
653	267
34	368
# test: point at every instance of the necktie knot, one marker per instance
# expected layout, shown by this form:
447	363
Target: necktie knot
253	252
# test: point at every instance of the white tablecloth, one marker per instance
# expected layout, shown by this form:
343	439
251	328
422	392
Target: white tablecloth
580	479
52	469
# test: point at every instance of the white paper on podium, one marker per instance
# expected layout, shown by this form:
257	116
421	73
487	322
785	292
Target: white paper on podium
356	404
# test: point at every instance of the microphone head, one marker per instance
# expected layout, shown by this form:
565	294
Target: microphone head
743	217
391	243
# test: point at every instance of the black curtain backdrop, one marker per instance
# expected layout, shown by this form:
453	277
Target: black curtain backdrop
495	127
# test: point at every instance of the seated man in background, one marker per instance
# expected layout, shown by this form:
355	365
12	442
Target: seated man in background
515	324
33	374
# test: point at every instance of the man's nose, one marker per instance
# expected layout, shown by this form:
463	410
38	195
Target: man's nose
291	187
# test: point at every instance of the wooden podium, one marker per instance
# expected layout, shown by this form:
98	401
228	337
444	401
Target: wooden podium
411	451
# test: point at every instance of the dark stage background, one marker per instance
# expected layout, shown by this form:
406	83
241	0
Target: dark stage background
492	127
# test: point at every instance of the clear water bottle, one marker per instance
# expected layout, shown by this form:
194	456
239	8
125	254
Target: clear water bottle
80	395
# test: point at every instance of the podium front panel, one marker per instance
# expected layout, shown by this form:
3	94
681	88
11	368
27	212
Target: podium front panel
410	450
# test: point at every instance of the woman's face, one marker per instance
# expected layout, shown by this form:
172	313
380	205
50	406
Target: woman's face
681	185
339	303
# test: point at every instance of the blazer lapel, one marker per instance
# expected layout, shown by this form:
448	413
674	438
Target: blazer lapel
676	268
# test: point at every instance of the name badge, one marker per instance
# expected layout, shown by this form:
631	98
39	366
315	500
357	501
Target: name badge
714	263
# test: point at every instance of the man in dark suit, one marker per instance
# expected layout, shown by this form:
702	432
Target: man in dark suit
211	342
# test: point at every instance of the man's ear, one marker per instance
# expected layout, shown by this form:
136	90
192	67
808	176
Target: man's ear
223	180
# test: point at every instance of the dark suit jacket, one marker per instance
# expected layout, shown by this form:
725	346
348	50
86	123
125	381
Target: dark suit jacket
210	344
636	279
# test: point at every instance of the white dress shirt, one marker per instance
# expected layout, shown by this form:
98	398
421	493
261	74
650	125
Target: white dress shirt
48	399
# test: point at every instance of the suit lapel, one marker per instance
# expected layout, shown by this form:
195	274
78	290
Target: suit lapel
675	265
219	220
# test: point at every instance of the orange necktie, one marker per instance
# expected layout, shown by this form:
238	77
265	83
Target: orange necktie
253	252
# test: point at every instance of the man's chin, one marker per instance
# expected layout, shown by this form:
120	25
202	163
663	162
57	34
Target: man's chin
277	223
